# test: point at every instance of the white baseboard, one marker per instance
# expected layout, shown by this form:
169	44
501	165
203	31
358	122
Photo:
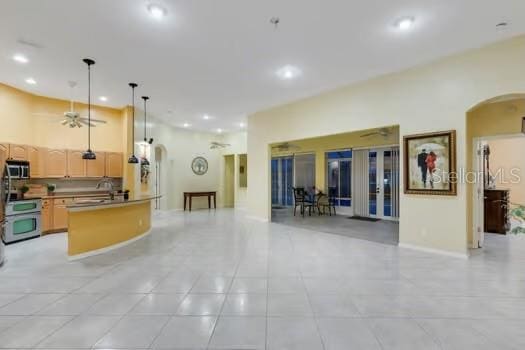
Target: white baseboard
108	249
434	251
257	218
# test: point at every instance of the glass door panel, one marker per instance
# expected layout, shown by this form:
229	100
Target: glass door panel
282	181
383	182
372	182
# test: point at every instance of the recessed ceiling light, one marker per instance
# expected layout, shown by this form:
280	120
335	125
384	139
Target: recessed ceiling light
186	125
20	58
288	72
405	23
242	125
31	81
103	98
219	130
206	117
157	11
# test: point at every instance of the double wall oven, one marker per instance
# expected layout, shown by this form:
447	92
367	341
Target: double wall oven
21	217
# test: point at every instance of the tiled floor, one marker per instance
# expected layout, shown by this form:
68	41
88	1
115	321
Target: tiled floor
217	280
382	231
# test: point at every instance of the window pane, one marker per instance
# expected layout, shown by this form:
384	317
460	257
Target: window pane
305	171
387	187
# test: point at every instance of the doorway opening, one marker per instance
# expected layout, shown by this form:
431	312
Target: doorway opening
161	177
229	181
496	186
352	191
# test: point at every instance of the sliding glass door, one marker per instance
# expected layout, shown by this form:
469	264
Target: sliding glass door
282	181
339	177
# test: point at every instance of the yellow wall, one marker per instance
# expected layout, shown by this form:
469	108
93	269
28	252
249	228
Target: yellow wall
490	119
229	181
90	230
320	145
30	119
432	97
504	155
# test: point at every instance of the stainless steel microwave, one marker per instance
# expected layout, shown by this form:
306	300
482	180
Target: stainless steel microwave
17	169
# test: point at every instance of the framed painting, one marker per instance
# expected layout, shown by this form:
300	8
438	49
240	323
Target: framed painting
430	163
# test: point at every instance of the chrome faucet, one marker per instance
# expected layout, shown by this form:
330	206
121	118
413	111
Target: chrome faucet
107	181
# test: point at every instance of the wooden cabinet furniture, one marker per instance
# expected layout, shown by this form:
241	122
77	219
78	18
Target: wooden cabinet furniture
35	156
55	163
4	151
47	215
496	211
114	164
60	213
17	152
76	166
96	167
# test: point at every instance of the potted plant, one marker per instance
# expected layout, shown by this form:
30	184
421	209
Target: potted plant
51	188
23	190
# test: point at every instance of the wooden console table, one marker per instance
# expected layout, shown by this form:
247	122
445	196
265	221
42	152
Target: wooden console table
190	195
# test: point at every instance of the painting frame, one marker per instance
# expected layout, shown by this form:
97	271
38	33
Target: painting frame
450	136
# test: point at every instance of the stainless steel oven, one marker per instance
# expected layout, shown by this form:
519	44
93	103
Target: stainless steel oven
22	220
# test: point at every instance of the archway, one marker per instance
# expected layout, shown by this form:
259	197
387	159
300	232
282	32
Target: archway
493	120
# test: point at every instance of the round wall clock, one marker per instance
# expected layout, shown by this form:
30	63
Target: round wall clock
199	165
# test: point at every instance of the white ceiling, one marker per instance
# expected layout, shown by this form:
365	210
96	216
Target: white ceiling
219	57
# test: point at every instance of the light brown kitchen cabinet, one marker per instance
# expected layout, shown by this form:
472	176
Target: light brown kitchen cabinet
55	163
4	151
76	166
35	156
60	214
17	152
96	167
114	164
47	215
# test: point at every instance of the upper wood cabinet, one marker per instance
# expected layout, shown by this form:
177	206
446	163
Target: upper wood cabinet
76	166
17	152
114	164
4	152
35	156
55	163
96	167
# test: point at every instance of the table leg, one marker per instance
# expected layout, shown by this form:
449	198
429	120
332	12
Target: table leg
184	202
209	202
190	201
214	201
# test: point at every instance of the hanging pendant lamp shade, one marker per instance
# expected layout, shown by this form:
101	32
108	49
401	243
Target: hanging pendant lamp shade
132	159
89	154
145	161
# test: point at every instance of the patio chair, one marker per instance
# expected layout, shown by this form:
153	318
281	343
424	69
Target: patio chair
301	201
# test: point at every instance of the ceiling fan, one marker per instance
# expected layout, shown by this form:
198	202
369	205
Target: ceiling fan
72	118
285	146
385	132
218	145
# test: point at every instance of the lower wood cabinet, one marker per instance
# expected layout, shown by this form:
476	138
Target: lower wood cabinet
47	215
60	214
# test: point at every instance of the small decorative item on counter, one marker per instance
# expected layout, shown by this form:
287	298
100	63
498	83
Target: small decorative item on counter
23	190
126	195
51	188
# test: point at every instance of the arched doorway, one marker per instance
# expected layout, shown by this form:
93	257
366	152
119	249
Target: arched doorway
494	130
161	172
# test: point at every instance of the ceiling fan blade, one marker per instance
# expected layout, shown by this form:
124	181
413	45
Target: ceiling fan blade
64	122
85	122
42	114
370	134
93	120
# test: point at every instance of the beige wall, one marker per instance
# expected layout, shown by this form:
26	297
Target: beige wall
423	99
35	120
505	155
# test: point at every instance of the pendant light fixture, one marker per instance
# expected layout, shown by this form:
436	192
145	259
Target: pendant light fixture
89	154
132	159
144	160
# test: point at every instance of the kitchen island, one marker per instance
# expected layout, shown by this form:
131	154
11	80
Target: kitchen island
101	225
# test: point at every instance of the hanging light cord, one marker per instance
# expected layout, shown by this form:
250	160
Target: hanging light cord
133	120
145	118
89	107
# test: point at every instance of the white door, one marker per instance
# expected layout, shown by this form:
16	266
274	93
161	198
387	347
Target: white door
383	182
479	194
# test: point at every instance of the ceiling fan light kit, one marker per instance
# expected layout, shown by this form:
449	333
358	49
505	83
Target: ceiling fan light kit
89	154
